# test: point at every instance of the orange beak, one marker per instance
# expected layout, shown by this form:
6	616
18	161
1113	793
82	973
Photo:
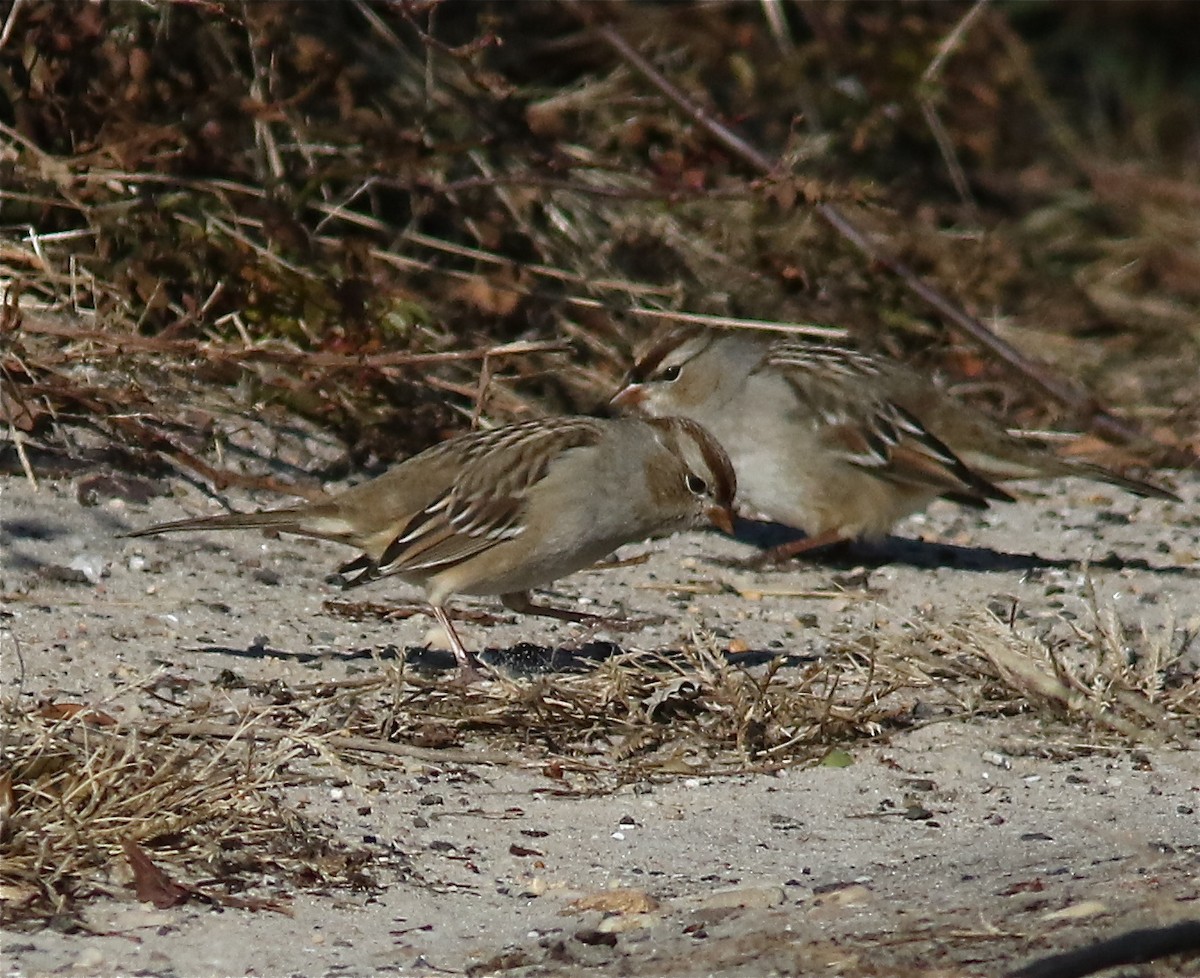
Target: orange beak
629	398
721	517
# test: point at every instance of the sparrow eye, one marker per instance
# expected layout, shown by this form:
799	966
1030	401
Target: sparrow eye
670	373
696	485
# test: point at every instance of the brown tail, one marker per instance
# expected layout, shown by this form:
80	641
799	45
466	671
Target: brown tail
1135	486
1025	461
288	520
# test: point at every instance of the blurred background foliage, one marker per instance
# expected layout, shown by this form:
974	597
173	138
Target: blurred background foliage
285	202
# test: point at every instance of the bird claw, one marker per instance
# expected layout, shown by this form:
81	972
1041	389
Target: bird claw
775	556
468	676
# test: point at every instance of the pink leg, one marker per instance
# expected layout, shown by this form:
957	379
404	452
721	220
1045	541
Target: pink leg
468	664
784	551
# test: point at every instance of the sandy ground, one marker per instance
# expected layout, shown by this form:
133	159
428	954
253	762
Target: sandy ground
964	848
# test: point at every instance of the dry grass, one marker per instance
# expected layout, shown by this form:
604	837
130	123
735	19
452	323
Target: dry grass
204	790
79	786
1113	684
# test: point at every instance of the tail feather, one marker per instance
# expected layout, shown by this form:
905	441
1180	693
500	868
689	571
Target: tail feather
364	569
1136	486
288	520
1027	461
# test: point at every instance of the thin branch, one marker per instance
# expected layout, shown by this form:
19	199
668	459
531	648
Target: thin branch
10	22
952	40
125	342
958	176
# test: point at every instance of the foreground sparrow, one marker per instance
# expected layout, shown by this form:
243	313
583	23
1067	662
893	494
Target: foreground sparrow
506	510
833	441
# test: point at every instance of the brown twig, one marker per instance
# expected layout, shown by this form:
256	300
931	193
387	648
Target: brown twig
1075	397
124	342
1132	947
342	742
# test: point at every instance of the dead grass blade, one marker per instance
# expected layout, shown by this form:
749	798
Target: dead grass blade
78	798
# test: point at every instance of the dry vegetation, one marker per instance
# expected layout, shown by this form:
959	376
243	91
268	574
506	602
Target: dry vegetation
398	219
199	778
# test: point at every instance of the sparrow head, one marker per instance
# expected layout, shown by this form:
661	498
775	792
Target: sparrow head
704	479
689	371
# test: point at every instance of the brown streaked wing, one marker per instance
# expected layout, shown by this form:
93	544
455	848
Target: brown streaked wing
362	567
484	506
896	446
933	455
827	379
819	359
868	430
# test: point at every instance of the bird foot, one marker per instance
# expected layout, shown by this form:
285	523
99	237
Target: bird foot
471	674
775	556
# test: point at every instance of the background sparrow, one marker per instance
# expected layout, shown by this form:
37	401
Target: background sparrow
837	442
506	510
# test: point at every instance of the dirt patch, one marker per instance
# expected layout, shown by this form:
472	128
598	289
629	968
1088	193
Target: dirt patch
1003	761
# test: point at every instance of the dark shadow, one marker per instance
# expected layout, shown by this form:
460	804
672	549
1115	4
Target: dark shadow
251	459
31	528
260	650
525	660
27	528
929	556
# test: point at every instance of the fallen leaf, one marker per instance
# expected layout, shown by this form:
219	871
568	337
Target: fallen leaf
151	883
65	711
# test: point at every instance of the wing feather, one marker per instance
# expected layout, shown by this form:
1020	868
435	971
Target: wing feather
485	504
865	428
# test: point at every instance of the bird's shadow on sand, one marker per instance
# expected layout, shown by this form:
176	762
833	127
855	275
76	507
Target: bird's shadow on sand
925	555
525	660
528	660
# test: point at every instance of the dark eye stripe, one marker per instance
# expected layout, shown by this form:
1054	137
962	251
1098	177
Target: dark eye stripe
719	466
646	367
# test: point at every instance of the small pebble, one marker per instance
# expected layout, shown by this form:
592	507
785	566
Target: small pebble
91	566
748	897
90	961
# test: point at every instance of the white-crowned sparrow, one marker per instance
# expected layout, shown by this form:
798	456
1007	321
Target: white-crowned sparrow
513	508
833	441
